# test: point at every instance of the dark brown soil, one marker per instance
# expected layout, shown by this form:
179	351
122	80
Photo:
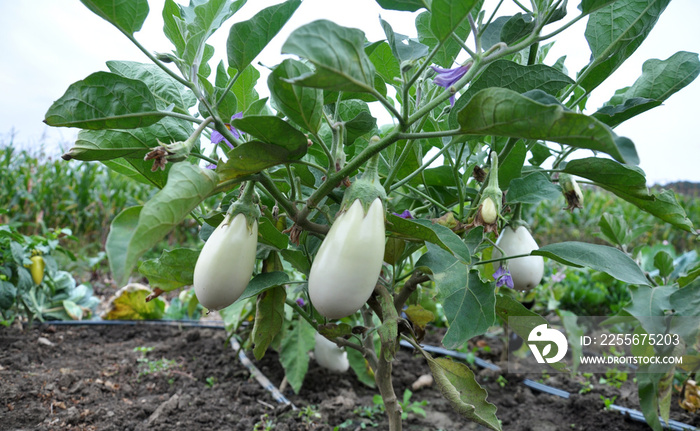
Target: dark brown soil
91	378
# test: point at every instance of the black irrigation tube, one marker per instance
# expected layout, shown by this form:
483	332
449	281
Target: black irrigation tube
280	398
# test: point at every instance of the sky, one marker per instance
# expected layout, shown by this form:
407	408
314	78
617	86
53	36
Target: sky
49	44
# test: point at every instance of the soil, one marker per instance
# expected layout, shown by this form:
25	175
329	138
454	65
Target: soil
168	378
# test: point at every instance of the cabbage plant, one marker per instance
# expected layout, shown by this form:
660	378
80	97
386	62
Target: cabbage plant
476	128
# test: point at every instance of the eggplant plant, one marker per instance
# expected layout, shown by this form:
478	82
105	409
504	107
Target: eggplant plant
353	218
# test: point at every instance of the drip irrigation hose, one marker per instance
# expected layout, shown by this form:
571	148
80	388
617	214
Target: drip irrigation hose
280	398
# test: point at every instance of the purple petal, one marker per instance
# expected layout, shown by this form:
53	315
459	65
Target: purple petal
217	137
447	77
503	278
233	130
406	214
211	166
300	302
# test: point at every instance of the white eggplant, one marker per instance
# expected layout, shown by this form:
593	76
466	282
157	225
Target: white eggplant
226	263
526	272
348	263
330	356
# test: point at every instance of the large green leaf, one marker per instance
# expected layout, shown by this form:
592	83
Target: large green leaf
244	88
446	16
127	16
172	270
337	53
247	39
659	80
598	257
137	229
589	6
279	143
651	302
173	25
532	189
457	383
202	19
105	100
614	32
608	172
164	88
447	53
303	105
131	143
269	317
139	170
294	353
426	230
385	63
503	112
468	302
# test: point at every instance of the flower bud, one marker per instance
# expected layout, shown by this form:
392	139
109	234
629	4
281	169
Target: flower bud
572	192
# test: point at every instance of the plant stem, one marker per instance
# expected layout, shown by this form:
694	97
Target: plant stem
386	389
292	303
500	259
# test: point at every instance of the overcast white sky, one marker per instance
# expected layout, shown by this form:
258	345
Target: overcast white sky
48	44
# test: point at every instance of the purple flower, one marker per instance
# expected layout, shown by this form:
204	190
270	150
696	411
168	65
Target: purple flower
502	277
446	78
300	302
217	137
558	277
406	214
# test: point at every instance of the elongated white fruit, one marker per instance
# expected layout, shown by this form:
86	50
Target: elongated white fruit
329	355
348	263
526	271
226	263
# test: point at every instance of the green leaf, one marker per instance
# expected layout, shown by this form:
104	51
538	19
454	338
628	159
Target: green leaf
647	388
431	232
358	119
269	317
336	52
303	105
127	16
615	115
660	79
294	354
686	301
129	303
503	112
598	257
532	189
172	270
651	302
664	263
614	32
247	39
517	27
105	100
263	282
273	130
244	88
131	143
511	167
590	6
404	5
608	172
139	170
448	15
492	34
403	47
202	20
166	90
8	293
361	368
173	25
614	228
468	302
662	205
458	385
447	53
270	235
385	63
137	229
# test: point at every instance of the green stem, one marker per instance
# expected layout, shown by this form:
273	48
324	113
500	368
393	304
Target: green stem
205	158
228	88
292	303
157	62
500	259
428	198
428	135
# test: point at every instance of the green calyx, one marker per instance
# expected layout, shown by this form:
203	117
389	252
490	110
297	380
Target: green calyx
247	205
366	189
492	191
